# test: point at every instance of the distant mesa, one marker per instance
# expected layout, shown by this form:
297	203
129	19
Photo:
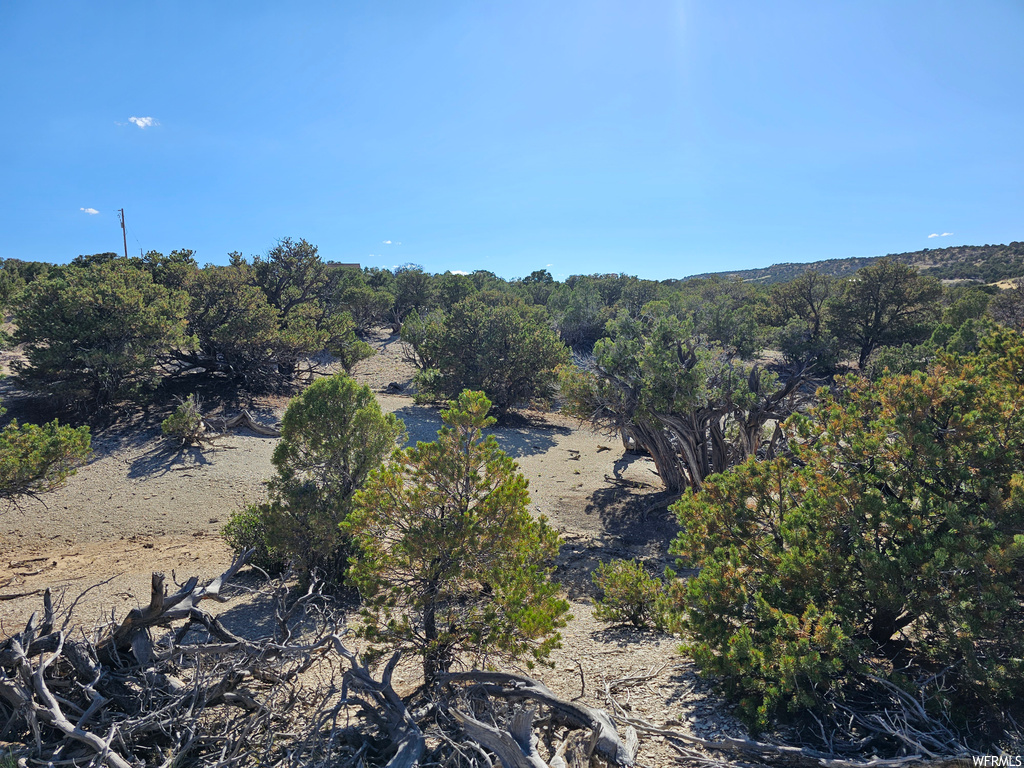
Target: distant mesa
967	263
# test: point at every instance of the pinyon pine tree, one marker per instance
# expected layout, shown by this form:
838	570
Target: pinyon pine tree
891	547
449	561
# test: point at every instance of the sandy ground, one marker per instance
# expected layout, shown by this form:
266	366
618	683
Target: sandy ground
141	506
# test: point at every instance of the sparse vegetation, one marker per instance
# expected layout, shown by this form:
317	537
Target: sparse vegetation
494	343
247	531
689	404
864	558
629	595
36	458
185	426
93	335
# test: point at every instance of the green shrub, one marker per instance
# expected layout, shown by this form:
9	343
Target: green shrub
247	529
490	342
630	595
891	547
36	458
186	424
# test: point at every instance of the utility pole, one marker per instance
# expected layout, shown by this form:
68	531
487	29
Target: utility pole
124	232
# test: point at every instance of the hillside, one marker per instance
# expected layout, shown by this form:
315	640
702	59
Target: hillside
979	263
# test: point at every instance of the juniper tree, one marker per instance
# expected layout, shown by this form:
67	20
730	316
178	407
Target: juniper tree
490	342
333	436
93	334
883	304
36	458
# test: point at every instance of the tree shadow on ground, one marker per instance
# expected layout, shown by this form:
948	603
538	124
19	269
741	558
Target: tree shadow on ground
637	517
129	423
626	635
421	423
161	457
636	526
386	340
624	462
522	436
255	603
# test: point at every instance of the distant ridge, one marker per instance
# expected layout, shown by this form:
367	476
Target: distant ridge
976	263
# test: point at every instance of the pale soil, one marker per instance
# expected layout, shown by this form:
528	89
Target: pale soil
140	506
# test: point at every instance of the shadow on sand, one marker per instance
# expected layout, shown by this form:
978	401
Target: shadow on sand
636	526
161	456
255	603
518	437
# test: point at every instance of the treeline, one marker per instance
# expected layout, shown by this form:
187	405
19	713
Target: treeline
103	327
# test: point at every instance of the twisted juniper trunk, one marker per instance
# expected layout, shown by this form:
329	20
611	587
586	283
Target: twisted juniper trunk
656	441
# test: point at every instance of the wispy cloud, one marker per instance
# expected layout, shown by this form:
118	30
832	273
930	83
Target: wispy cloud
549	265
387	242
144	122
936	234
459	272
90	211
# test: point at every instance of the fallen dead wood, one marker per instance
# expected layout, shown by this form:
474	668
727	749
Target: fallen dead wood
170	684
385	707
220	425
107	699
163	610
516	747
781	753
606	741
16	595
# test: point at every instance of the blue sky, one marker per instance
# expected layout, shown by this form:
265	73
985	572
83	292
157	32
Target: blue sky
655	138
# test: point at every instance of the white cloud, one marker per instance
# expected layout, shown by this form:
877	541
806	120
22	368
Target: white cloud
144	122
946	234
936	234
90	211
387	242
459	272
933	234
549	265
